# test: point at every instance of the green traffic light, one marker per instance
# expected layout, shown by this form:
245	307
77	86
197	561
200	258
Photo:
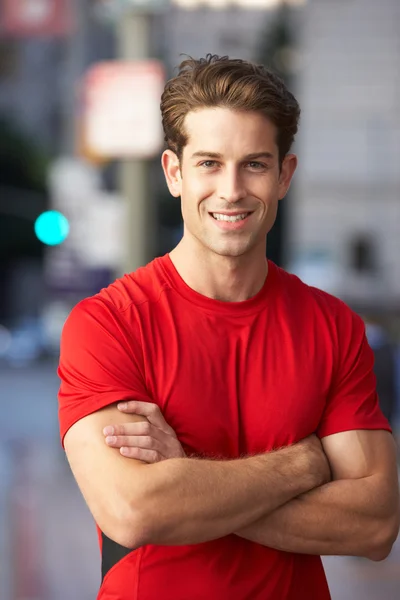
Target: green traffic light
52	228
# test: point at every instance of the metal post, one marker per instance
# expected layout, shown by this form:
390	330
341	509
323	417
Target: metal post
73	68
133	37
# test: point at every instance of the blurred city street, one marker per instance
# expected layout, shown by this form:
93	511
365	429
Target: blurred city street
84	200
46	524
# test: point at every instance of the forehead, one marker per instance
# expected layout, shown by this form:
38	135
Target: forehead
228	132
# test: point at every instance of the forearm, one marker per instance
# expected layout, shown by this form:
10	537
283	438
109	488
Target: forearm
189	501
345	517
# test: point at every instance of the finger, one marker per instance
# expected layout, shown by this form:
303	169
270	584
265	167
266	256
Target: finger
137	428
149	410
129	428
147	456
133	441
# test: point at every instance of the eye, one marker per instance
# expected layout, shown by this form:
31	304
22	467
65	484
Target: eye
257	166
209	164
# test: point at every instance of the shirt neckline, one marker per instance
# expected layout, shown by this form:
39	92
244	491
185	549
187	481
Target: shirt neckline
254	304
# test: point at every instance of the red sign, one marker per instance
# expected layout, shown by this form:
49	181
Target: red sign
35	18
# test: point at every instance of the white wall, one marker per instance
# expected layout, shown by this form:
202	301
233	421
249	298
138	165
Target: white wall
349	143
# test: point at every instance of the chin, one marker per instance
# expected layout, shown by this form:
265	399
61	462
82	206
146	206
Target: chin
232	251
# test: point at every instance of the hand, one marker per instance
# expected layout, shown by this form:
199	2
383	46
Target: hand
317	461
151	441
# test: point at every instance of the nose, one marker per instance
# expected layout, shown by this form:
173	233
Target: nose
231	186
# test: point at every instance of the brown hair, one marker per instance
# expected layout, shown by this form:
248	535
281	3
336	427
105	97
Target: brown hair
230	83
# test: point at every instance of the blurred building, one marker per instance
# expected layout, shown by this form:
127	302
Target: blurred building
40	71
342	219
41	64
346	214
233	31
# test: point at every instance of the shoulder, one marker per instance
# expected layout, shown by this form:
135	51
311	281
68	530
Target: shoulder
146	284
113	309
318	305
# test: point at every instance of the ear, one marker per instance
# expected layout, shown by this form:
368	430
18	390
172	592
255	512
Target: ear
172	172
289	165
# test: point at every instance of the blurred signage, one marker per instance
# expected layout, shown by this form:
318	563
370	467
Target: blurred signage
35	18
101	231
121	109
93	250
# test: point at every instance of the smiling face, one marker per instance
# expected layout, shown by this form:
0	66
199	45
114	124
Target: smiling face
229	180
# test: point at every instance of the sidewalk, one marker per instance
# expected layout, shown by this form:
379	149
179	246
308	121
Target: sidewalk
70	546
48	548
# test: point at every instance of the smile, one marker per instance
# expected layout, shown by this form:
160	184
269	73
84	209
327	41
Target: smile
230	222
230	218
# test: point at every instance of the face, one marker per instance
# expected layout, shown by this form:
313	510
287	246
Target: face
229	180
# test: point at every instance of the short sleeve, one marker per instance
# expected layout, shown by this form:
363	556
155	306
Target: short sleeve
353	401
100	362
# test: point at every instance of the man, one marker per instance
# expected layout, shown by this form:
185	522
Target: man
257	389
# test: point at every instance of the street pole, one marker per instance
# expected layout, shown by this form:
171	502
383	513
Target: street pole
73	68
133	40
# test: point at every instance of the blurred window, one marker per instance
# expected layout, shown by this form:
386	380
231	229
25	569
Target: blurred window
363	254
8	59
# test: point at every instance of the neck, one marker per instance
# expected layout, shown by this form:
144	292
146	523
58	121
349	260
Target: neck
226	278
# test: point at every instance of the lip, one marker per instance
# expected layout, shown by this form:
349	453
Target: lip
229	213
230	226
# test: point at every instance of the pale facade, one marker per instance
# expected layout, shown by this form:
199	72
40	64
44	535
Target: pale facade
348	183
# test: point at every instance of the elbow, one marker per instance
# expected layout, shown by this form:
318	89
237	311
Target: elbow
132	532
384	538
125	521
127	529
141	517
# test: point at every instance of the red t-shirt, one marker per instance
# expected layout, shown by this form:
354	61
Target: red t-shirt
231	379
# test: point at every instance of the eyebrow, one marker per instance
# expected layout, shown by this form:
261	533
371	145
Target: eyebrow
217	155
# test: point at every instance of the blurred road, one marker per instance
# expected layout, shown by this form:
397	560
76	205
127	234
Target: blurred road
48	543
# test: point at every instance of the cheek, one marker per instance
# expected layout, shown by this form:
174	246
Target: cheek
270	216
270	194
194	191
189	203
265	188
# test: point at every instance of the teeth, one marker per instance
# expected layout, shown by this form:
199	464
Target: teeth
232	219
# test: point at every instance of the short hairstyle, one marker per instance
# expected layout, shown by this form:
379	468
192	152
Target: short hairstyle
230	83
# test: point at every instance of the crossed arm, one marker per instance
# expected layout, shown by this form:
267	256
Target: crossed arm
355	514
281	499
183	500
